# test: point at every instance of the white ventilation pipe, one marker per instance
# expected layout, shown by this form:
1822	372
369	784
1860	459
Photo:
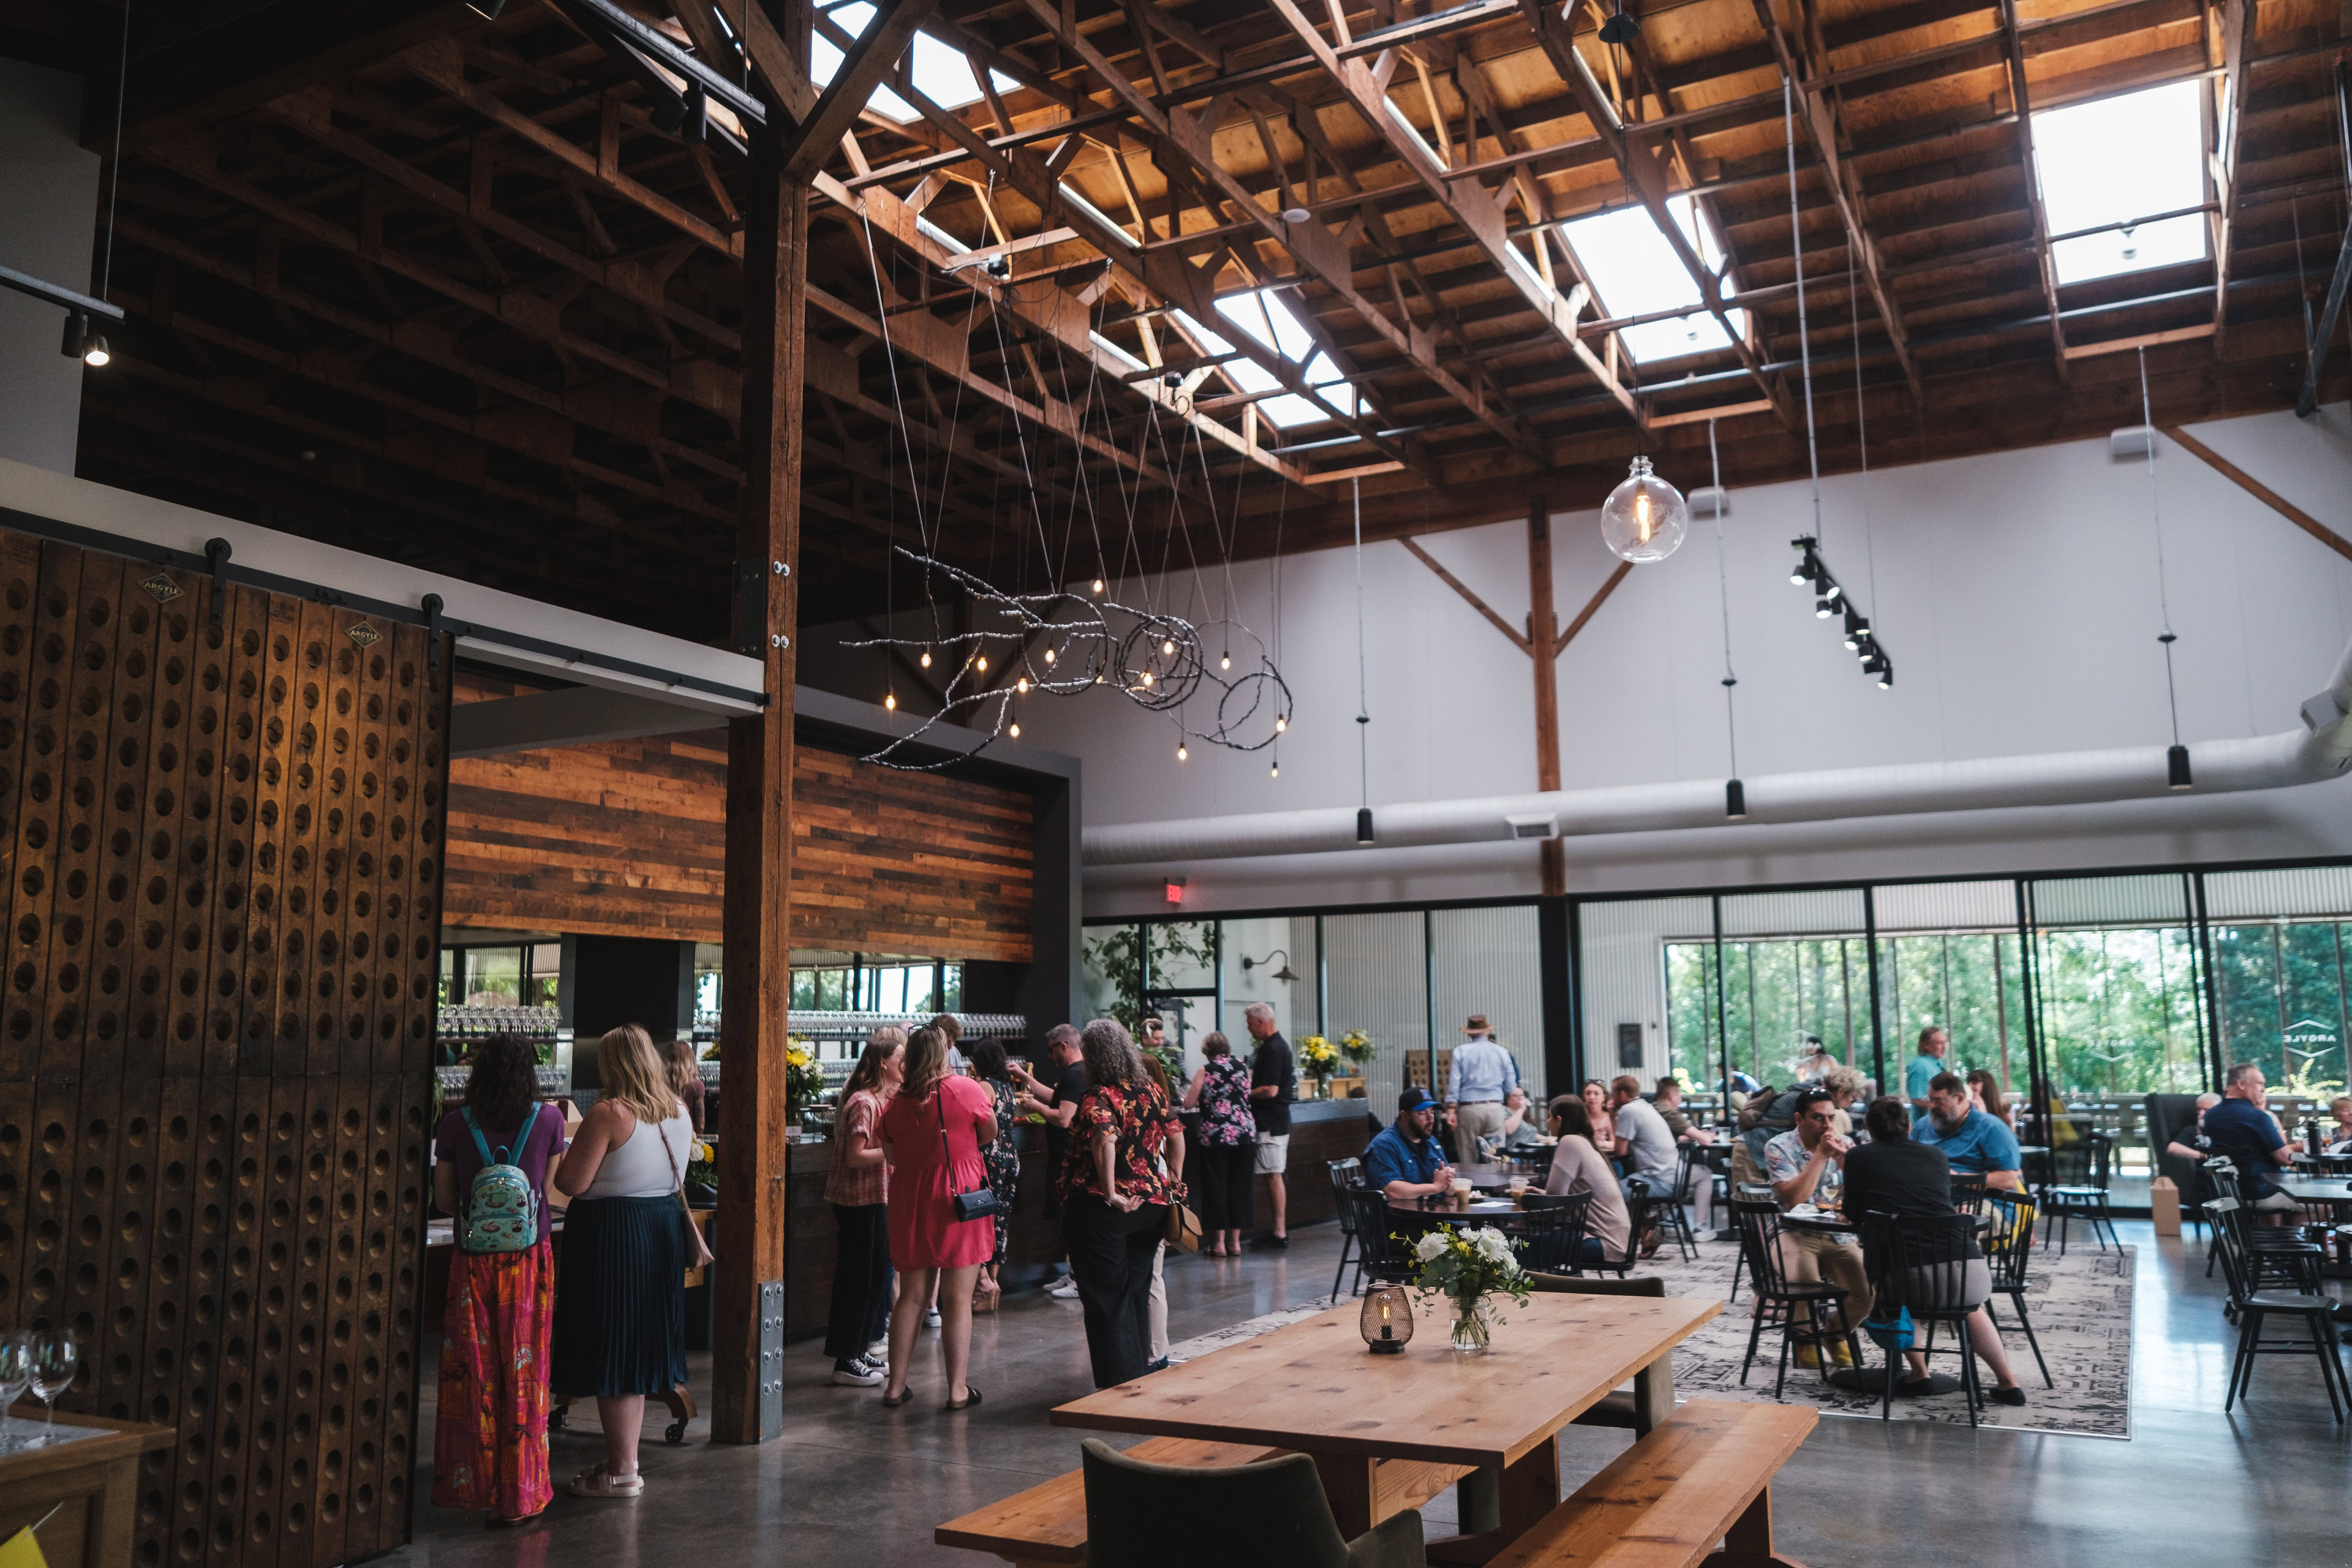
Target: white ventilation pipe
2321	749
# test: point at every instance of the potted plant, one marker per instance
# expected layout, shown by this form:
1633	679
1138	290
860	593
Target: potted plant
1470	1268
1318	1057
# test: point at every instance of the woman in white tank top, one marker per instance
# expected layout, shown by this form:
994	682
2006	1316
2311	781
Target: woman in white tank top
620	1297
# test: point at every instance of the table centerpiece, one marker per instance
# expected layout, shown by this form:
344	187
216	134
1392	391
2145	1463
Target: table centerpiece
1470	1268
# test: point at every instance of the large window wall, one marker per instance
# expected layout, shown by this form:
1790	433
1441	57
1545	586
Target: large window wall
2098	990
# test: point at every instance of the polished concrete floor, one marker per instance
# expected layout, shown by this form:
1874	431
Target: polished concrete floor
850	1484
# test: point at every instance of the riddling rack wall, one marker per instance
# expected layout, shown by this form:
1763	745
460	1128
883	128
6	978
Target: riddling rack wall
224	847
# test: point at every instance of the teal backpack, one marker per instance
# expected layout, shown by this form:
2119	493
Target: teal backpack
502	1207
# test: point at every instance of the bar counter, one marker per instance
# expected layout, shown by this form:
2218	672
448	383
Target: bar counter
1320	1129
80	1492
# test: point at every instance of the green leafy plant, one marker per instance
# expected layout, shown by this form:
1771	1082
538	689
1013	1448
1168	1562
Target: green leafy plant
1118	955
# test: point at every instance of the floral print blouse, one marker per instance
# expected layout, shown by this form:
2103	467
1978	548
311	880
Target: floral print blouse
1142	1122
1225	1120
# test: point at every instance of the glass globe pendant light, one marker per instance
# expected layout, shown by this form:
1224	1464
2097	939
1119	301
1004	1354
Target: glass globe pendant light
1643	519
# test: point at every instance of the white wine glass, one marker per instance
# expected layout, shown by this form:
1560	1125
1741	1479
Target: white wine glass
57	1358
15	1373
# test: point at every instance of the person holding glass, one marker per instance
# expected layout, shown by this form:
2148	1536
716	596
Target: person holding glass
1807	1165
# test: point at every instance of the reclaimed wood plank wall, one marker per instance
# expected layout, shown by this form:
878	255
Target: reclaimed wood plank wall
628	838
223	863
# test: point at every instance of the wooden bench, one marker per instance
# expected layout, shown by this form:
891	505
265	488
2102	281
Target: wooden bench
1702	1478
1047	1523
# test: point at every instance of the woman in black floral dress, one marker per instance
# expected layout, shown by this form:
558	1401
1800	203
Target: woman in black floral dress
1227	1135
1003	1161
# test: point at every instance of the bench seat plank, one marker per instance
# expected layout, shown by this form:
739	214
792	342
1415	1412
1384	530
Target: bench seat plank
1047	1523
1669	1500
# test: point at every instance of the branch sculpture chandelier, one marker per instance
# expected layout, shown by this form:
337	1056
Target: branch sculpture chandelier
1070	643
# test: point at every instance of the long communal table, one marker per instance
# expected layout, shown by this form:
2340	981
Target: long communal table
1388	1433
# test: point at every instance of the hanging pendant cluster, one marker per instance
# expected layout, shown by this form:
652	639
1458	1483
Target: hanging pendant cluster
1829	599
1069	643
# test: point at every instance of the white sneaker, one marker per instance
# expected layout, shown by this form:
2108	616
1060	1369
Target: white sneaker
930	1317
878	1353
1065	1288
857	1373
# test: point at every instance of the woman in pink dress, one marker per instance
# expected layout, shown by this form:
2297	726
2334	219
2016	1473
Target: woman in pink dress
933	1131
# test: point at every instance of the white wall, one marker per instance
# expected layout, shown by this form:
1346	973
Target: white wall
2017	594
50	209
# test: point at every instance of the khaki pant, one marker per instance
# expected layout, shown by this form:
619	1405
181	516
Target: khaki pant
1806	1257
1472	1122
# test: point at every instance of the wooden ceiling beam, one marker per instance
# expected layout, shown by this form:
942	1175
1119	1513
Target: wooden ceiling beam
867	60
1801	67
2020	103
1319	252
1638	165
2236	21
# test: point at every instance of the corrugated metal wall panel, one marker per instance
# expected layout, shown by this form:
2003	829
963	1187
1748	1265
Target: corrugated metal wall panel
1490	962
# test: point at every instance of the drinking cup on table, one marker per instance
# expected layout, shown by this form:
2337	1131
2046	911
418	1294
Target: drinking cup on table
1519	1186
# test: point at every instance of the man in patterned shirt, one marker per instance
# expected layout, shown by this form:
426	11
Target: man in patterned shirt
1806	1166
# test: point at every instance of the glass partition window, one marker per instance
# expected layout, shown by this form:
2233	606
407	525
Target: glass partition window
1636	954
1376	968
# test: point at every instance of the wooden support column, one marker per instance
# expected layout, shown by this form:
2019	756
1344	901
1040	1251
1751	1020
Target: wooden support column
747	1342
1543	636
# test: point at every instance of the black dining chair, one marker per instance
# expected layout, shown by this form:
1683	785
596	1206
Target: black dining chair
1380	1256
1922	1266
2007	1245
2065	1202
1271	1514
1806	1311
2272	1256
1676	1218
2256	1307
1346	1173
1549	1229
1756	1194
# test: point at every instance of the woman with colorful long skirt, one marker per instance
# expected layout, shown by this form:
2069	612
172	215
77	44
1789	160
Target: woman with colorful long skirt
490	1441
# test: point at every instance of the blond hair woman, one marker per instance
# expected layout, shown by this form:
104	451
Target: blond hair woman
620	1297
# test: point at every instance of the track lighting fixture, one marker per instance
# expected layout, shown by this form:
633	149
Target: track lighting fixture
1821	610
80	343
1830	599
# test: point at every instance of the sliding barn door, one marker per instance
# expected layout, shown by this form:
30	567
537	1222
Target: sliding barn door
222	830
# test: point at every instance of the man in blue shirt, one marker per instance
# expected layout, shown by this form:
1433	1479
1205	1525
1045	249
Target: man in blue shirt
1974	1142
1480	1079
1921	1070
1403	1161
2241	1130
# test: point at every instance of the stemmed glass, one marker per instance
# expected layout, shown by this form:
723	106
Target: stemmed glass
57	1357
15	1373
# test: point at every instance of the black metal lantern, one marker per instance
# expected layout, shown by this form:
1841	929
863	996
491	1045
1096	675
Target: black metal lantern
1387	1320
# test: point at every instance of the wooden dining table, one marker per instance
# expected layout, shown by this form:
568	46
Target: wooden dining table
1390	1432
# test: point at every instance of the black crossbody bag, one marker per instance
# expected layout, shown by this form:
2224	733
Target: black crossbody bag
980	1203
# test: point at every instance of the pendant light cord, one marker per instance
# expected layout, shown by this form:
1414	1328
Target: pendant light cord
1804	336
114	181
2156	515
1862	426
1723	590
1363	708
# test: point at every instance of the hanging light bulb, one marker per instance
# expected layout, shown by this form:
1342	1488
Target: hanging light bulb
1181	752
1098	584
1224	661
890	700
1167	645
1280	724
1022	686
982	662
1276	771
1643	519
1049	656
1146	678
1016	729
927	658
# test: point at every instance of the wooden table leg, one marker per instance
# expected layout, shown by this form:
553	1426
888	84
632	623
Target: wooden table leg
1497	1507
1748	1543
1653	1393
1348	1483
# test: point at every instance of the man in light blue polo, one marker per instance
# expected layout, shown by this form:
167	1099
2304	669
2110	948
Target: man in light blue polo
1483	1075
1974	1142
1920	1070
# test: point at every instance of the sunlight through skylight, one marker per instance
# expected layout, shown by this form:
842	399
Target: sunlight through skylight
941	74
1268	320
2117	159
1634	271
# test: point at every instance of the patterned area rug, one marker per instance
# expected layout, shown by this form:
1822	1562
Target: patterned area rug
2082	1311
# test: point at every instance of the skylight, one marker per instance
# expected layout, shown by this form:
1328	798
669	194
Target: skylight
1268	320
2117	159
941	74
1634	271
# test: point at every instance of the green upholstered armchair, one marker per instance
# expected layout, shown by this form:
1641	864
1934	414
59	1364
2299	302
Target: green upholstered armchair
1271	1514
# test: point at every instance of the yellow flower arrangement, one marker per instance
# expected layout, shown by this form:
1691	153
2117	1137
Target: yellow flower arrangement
1357	1047
803	1079
1317	1055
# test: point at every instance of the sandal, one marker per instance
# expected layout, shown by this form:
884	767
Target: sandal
904	1396
598	1480
970	1398
986	1298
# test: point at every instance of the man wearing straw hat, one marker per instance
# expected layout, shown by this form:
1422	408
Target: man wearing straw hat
1482	1076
